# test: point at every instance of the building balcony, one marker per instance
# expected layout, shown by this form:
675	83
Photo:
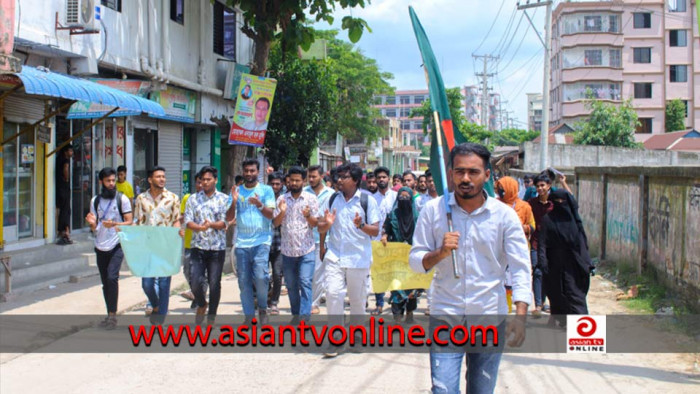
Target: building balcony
590	73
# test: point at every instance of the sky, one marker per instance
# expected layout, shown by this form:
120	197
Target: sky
456	30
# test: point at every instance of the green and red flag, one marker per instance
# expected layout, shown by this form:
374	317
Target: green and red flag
450	135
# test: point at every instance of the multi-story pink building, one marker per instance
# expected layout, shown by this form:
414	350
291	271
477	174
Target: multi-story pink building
399	106
644	50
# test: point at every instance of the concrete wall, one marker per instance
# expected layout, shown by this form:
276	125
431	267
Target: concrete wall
646	217
570	156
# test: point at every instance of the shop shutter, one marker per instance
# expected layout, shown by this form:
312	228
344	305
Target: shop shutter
170	154
23	109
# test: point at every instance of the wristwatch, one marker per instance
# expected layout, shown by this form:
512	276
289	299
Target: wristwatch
361	225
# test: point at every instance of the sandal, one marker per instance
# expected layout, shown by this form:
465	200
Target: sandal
377	311
273	310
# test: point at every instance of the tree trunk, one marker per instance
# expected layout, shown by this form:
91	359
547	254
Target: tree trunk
262	52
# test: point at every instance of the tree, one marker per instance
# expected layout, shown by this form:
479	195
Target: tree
675	115
471	131
267	20
609	125
514	137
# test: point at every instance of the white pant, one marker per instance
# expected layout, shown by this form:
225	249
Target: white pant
318	286
341	281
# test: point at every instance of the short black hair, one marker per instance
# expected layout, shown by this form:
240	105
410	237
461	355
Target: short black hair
238	178
409	172
527	178
251	162
354	170
428	174
212	170
152	170
423	176
397	176
273	176
121	169
316	168
380	169
370	175
470	148
327	178
263	99
542	178
297	170
106	172
334	174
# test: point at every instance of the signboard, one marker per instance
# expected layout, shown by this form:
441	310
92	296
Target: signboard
179	104
88	110
255	95
233	79
390	269
43	134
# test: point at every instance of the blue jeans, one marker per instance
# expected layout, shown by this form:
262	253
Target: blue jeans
252	266
158	292
379	299
536	279
298	276
482	371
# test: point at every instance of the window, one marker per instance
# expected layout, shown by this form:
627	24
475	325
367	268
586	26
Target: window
644	126
642	90
177	11
224	31
391	112
612	24
592	23
405	125
679	73
678	38
391	100
676	6
593	57
418	99
405	99
642	20
405	112
419	125
642	55
116	5
615	58
685	102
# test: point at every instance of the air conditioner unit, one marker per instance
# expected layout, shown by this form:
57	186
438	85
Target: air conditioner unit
82	14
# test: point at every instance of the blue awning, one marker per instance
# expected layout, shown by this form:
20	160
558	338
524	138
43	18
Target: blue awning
43	82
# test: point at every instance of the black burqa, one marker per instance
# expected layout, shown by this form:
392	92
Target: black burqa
563	256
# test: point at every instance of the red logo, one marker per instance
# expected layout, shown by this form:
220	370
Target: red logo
586	326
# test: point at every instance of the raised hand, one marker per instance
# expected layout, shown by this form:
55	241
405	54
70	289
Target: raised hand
330	217
306	211
357	220
255	200
91	219
283	206
234	193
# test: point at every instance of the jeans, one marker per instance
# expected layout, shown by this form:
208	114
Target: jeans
109	263
319	282
158	292
482	371
298	275
536	279
379	300
252	266
276	287
211	264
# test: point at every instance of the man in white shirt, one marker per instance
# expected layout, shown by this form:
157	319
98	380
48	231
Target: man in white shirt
385	198
487	238
323	193
350	229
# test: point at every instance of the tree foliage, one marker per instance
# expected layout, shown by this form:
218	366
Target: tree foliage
287	20
513	137
675	115
315	99
609	125
471	131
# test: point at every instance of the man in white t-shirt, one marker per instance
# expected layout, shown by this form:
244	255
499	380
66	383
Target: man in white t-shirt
108	210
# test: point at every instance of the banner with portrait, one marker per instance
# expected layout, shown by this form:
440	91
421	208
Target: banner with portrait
253	107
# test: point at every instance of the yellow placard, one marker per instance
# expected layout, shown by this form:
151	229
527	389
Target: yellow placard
390	269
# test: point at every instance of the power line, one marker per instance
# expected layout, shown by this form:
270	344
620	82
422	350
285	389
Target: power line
503	2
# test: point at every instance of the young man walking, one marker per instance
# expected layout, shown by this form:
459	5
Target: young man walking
205	215
253	207
123	185
385	197
274	180
108	210
322	192
157	207
297	215
487	238
352	220
186	233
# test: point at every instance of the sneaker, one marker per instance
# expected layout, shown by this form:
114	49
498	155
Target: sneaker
109	323
273	310
315	310
330	354
262	317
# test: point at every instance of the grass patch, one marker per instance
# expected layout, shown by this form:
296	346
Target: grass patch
652	295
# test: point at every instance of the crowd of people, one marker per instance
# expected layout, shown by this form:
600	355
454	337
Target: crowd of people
312	231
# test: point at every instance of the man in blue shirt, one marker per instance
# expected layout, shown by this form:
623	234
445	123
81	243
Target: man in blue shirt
255	204
322	192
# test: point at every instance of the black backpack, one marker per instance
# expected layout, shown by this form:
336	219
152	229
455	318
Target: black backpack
118	197
364	201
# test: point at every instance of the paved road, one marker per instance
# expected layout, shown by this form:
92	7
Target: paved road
309	373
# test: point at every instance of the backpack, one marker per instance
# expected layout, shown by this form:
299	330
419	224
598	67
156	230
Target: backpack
96	204
363	202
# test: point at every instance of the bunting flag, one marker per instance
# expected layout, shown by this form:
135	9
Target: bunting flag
439	104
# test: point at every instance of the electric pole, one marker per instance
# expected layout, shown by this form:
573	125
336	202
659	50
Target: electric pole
485	88
547	43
